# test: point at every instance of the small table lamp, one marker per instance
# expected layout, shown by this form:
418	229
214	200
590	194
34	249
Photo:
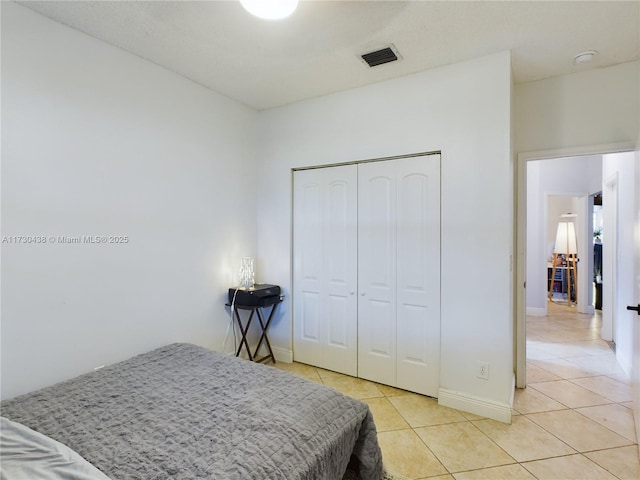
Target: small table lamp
247	274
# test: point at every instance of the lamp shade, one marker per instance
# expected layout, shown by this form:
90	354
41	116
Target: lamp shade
247	274
566	239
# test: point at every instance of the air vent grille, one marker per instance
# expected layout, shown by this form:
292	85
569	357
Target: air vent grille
380	57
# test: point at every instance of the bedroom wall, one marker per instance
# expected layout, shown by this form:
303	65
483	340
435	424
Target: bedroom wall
462	110
98	142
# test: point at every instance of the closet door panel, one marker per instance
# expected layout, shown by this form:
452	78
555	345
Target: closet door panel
377	272
413	346
418	278
381	331
308	271
310	314
337	331
340	269
325	268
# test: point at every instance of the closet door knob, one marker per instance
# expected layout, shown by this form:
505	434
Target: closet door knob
362	293
351	292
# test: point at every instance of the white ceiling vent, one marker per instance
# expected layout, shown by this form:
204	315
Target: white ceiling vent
379	57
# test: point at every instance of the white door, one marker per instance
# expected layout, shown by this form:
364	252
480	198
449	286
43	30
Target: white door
635	371
325	268
399	273
377	197
418	275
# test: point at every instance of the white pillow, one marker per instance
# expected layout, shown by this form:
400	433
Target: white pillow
28	455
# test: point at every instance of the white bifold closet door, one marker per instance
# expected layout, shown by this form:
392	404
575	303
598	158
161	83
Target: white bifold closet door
399	273
366	299
325	268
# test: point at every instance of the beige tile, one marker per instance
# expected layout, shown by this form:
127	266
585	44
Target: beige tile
420	411
622	462
530	400
472	416
607	387
622	378
462	446
397	476
390	391
572	467
598	364
594	347
578	431
564	350
385	415
628	405
563	368
523	439
569	394
506	472
328	373
353	387
537	351
570	336
536	374
403	452
438	477
300	369
615	417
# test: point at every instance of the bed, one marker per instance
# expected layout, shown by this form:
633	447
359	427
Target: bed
185	412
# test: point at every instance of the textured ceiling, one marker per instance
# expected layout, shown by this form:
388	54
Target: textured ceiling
316	51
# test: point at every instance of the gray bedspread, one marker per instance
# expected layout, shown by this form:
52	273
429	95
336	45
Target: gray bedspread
184	412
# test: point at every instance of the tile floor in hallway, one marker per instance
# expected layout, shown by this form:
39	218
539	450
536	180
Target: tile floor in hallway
573	421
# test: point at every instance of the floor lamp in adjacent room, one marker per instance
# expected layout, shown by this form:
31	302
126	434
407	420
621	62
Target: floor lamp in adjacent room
566	245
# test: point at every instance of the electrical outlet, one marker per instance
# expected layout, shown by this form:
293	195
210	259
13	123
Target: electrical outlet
483	370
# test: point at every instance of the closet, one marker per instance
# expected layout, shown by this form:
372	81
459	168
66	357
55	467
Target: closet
366	270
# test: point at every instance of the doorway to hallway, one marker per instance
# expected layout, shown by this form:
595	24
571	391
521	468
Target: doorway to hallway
593	171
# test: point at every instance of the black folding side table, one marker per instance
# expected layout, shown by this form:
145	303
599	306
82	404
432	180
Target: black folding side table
257	310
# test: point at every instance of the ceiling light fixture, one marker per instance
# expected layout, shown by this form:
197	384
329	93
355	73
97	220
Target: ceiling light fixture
584	57
270	9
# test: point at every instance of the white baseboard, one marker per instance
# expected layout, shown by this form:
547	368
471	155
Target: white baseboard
282	354
537	312
476	405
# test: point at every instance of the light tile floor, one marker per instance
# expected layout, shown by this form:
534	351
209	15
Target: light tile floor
573	421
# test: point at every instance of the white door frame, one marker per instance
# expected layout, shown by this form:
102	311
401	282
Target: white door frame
635	369
521	236
610	259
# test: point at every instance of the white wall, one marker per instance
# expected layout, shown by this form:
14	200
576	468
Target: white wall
462	110
594	107
564	177
620	166
98	142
